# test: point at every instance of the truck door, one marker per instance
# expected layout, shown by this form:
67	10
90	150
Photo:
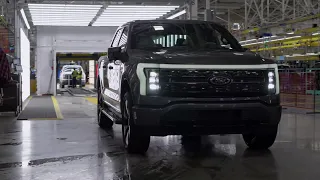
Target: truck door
112	78
118	67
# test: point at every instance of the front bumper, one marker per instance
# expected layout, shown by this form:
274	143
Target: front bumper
207	116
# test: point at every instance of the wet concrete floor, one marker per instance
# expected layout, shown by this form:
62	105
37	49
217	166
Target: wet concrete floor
75	149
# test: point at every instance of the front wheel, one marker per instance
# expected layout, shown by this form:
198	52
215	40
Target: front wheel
134	141
261	141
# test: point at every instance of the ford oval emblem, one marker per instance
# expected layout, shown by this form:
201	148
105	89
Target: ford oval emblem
220	80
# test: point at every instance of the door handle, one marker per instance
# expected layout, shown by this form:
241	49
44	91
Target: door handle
110	67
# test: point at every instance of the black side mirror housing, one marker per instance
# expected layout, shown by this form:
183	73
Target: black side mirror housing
114	53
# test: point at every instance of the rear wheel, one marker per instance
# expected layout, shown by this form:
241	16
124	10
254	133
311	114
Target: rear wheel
103	120
261	141
133	140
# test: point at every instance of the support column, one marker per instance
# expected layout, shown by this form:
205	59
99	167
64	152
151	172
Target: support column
208	12
229	20
193	10
245	15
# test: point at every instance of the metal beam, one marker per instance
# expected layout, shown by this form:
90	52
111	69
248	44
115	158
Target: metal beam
101	11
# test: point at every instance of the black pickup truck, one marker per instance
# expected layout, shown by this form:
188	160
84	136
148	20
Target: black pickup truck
186	77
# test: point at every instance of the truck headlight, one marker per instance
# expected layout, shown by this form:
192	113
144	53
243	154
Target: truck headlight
271	82
153	82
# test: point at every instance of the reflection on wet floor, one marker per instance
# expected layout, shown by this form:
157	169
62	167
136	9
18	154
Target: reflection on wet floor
75	148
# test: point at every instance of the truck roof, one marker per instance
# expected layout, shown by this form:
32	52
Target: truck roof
175	21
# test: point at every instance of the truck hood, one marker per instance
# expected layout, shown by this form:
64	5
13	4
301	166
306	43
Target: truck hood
66	73
216	57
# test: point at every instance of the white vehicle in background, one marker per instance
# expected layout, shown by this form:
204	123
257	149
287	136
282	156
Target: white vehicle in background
66	75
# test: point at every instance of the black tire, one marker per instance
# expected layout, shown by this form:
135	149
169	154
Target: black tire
103	120
134	141
17	112
261	141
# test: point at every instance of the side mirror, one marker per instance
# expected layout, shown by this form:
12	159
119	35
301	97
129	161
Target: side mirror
114	53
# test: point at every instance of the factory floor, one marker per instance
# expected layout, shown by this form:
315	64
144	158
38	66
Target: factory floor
74	147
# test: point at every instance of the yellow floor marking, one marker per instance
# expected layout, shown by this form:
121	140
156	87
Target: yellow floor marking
56	108
93	100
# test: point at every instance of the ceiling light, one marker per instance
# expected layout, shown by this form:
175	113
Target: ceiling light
24	18
117	6
62	5
59	11
117	15
314	34
67	21
138	10
177	14
290	33
130	13
63	14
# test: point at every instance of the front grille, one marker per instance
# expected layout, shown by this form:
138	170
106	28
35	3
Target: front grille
195	83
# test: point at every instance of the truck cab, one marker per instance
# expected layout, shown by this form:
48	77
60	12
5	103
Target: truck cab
186	77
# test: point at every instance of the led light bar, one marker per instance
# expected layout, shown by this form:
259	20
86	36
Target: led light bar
63	14
177	14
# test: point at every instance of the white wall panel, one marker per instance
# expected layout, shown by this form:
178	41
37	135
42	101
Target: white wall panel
25	63
66	39
91	71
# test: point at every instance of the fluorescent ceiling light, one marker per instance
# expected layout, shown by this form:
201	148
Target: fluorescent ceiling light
119	14
135	11
61	14
120	6
127	17
141	8
290	33
62	10
24	18
315	34
131	13
177	14
62	5
59	21
44	23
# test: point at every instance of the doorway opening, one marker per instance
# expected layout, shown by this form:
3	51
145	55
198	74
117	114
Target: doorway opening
80	85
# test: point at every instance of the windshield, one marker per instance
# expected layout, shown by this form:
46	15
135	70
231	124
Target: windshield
68	69
206	36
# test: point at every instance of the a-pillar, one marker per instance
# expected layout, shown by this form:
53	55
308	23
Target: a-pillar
208	12
192	12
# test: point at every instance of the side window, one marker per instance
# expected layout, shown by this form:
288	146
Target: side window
116	39
124	37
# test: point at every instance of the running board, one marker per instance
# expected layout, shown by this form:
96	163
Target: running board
105	113
115	120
